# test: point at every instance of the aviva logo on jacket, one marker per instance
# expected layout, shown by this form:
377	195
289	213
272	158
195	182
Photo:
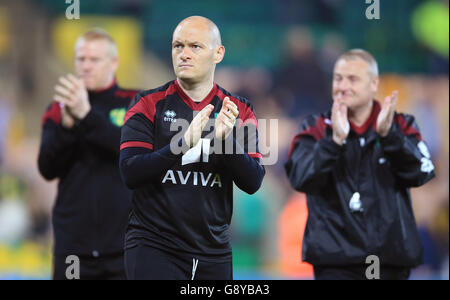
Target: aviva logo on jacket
117	116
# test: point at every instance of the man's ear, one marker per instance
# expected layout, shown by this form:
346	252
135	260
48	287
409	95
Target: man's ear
115	63
374	84
219	54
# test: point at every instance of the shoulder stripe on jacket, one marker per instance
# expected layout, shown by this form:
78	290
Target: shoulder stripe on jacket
248	114
312	126
146	104
126	93
406	124
53	113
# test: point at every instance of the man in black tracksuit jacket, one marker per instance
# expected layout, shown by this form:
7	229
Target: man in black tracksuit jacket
80	147
356	164
182	205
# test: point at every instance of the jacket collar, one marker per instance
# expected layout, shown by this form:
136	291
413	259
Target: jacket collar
196	106
105	91
370	122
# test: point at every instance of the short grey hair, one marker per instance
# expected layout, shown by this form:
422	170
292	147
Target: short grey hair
363	55
99	34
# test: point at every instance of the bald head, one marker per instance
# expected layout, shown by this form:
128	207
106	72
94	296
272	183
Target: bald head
201	24
196	50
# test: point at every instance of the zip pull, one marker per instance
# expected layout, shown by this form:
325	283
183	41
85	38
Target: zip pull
362	141
194	267
355	203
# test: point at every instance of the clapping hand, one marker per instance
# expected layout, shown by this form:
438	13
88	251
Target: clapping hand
386	116
226	118
72	94
339	120
195	129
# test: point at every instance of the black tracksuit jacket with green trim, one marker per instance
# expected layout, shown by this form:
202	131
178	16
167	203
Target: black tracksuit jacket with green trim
90	214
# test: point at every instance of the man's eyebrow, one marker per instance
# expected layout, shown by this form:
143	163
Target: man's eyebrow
189	43
198	43
345	75
177	42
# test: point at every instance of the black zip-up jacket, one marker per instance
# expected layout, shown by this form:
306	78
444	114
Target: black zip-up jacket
358	193
92	205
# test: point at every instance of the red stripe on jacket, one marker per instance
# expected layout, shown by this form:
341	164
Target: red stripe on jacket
317	131
147	104
53	114
136	144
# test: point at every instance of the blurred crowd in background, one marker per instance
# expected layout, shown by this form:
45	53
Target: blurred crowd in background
279	54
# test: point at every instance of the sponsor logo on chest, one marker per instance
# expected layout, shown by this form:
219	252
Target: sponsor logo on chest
192	178
169	116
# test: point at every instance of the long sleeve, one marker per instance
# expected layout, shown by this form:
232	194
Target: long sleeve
312	157
57	145
244	164
139	165
407	152
96	129
311	163
247	172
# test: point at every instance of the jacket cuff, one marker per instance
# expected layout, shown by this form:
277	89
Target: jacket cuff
393	140
88	122
330	146
66	135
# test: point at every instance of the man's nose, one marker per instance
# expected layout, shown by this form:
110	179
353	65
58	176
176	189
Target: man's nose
186	54
86	65
343	84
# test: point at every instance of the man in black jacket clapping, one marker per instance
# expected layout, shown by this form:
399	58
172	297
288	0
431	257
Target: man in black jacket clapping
356	164
80	147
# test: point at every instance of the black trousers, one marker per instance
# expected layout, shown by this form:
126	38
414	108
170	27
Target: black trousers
359	273
146	263
108	267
